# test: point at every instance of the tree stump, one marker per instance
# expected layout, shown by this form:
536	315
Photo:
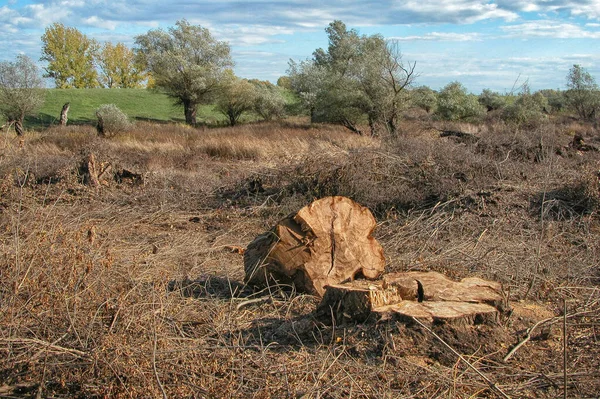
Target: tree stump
326	242
429	296
64	114
19	127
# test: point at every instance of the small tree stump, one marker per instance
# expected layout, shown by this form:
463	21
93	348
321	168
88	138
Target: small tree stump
92	172
427	295
64	114
326	242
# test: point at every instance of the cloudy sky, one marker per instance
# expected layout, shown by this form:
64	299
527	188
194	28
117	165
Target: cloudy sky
483	44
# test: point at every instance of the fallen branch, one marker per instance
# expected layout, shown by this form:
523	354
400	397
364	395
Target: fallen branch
527	338
47	345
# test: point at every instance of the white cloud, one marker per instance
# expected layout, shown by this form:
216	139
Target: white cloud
441	37
549	29
585	8
100	23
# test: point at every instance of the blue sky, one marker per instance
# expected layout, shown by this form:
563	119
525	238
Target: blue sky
482	44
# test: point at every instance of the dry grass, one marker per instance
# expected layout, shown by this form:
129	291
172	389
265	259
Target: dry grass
131	291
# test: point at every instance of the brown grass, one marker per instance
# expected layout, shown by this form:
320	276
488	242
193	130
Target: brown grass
130	290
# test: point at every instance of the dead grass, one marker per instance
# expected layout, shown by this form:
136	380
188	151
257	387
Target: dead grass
131	290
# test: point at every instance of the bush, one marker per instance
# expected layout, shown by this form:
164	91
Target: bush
424	98
454	103
528	109
269	103
491	100
111	120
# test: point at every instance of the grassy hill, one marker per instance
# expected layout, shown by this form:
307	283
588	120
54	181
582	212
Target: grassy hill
138	104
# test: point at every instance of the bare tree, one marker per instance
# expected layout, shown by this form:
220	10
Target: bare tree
21	91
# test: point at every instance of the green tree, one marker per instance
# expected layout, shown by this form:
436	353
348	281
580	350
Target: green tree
582	94
307	79
21	90
269	102
491	100
70	55
556	99
455	103
235	97
186	62
284	82
527	109
424	97
358	78
118	67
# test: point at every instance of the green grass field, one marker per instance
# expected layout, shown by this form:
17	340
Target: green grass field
138	104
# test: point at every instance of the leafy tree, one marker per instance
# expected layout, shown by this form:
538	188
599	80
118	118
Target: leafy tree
556	99
527	109
70	55
186	62
308	80
269	102
236	97
582	94
118	67
424	97
21	90
455	103
284	82
357	78
491	100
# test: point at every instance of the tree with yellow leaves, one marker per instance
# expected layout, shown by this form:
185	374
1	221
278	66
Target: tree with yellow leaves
118	68
70	55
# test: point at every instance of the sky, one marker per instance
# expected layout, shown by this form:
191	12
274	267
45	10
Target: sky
498	44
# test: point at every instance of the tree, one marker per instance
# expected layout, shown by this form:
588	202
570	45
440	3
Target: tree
269	102
284	82
358	78
70	55
491	100
455	103
186	62
21	91
118	67
235	97
582	94
307	79
527	109
424	97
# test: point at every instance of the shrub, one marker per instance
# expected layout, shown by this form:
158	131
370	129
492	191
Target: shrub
111	120
424	98
528	109
269	103
454	103
491	100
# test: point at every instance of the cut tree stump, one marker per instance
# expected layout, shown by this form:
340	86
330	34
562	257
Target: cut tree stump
64	114
428	296
326	242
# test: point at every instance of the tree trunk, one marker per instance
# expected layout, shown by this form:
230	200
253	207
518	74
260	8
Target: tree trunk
351	126
63	114
326	242
372	126
190	112
232	118
19	127
100	125
427	295
92	172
